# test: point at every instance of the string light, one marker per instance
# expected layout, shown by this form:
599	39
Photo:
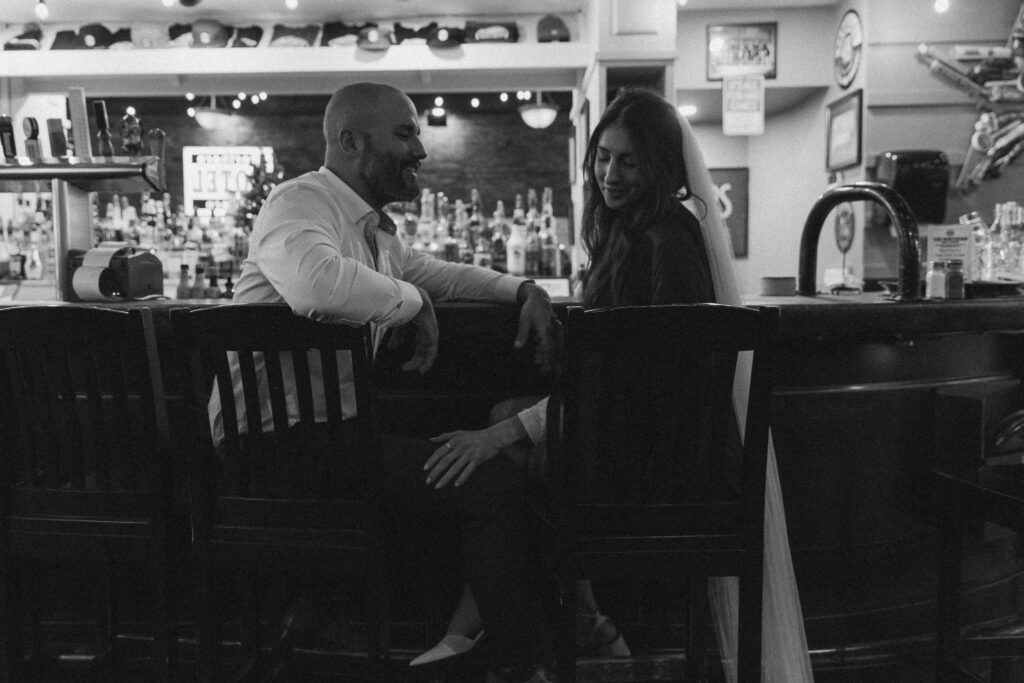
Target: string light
42	11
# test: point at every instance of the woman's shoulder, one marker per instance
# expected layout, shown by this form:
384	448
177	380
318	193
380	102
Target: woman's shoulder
678	227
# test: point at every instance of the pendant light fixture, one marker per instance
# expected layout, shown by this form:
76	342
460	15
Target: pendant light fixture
538	114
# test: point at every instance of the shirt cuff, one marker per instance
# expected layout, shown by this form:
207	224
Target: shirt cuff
507	287
410	303
534	420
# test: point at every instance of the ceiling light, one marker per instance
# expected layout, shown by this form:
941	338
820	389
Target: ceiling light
438	101
190	96
236	104
503	97
539	114
475	102
263	96
209	117
42	11
437	117
941	6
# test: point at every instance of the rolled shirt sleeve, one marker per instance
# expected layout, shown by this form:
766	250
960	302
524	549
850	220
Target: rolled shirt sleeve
299	255
535	421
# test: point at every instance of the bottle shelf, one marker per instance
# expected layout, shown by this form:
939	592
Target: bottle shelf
91	174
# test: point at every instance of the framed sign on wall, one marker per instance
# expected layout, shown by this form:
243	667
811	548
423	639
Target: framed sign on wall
731	188
741	49
843	132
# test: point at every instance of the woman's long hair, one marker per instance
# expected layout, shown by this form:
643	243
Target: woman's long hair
608	235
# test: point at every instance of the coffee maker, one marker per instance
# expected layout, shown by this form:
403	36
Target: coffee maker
922	179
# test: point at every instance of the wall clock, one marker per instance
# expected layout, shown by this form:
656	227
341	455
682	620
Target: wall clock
849	43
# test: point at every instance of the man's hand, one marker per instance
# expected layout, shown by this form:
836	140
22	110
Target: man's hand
536	315
424	325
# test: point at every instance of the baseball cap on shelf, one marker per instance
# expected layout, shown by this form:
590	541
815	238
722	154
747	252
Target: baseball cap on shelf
27	37
246	36
338	33
294	36
446	36
413	36
209	33
180	35
492	32
374	38
146	35
552	29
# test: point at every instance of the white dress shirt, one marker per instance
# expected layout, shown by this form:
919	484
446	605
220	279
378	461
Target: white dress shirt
309	249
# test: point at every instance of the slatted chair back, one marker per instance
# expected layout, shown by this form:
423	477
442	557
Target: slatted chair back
86	472
264	494
645	448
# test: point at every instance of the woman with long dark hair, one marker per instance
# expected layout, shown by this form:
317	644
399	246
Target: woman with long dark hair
655	235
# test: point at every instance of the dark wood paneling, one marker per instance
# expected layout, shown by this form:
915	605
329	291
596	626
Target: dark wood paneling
492	149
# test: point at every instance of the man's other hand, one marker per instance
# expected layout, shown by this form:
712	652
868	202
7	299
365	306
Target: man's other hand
536	315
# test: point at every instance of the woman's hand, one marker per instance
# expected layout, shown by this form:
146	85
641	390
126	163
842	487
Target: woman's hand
462	452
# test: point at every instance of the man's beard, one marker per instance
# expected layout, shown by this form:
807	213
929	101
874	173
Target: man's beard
384	175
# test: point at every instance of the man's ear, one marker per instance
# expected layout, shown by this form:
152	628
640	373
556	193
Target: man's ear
351	142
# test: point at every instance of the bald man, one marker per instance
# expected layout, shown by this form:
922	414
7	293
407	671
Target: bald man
322	244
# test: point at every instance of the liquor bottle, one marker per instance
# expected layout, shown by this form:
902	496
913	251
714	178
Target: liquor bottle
532	250
464	235
184	290
199	285
515	249
213	290
499	235
550	265
229	288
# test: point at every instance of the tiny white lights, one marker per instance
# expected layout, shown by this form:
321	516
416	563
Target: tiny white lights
130	110
168	3
241	95
475	102
191	111
236	104
42	11
190	96
438	101
941	6
291	4
263	96
503	97
687	109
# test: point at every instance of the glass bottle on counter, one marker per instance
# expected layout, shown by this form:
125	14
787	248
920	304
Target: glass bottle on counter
184	290
935	280
515	249
549	265
955	279
499	235
977	269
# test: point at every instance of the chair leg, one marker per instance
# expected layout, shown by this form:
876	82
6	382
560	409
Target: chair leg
207	620
697	618
748	664
161	615
12	644
950	577
565	631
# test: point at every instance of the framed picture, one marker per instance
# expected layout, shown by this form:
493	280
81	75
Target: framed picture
741	49
843	128
731	188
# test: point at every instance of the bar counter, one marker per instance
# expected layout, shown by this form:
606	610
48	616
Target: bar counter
858	411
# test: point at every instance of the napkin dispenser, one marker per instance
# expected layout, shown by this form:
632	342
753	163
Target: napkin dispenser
115	273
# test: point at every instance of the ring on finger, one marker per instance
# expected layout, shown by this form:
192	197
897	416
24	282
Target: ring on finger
448	444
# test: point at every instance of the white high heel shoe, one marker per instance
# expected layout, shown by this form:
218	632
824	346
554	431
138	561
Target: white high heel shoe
450	646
